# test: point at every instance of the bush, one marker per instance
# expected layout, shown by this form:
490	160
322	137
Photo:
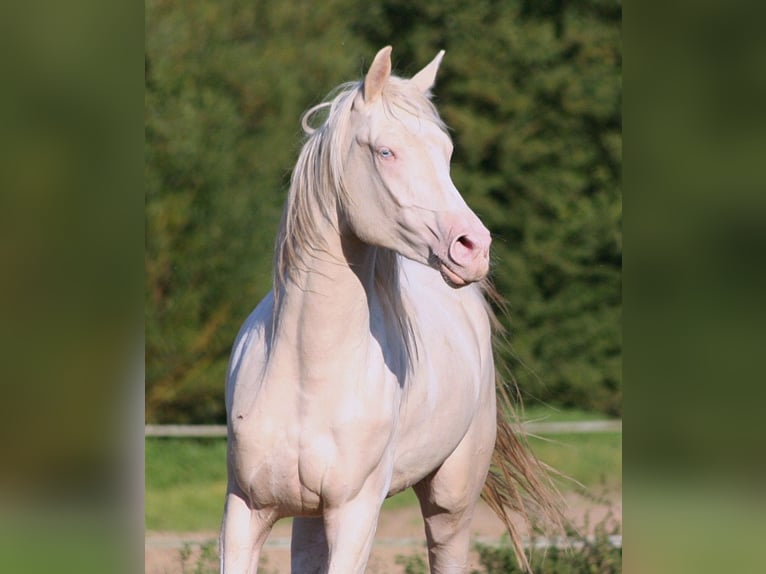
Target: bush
413	564
205	561
586	555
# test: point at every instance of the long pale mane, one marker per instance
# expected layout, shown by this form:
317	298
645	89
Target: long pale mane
316	185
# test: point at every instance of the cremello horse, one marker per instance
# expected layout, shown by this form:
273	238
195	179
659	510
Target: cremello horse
368	369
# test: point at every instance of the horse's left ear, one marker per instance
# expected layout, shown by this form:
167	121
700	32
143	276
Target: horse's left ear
377	75
426	77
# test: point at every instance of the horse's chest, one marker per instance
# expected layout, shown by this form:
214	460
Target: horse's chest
322	442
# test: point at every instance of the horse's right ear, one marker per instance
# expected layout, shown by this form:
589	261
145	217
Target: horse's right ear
426	77
377	75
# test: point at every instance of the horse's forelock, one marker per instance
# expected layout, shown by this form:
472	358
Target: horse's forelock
401	95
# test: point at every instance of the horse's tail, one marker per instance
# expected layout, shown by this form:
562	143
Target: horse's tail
518	483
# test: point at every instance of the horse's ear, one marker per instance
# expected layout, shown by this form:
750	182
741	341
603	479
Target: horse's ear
426	77
377	75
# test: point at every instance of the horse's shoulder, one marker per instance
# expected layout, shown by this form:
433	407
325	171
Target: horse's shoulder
252	333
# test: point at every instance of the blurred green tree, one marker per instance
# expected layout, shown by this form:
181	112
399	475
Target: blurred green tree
532	90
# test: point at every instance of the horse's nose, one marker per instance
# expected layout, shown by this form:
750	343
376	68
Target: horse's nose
471	248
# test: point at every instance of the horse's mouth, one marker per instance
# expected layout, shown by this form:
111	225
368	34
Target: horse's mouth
450	277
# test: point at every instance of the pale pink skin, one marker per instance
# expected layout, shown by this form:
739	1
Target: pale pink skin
326	418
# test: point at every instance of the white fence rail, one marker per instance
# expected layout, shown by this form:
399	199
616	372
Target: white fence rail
193	431
573	427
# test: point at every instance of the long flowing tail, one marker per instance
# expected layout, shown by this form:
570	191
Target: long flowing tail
518	483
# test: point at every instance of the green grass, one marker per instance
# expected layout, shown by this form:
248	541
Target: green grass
595	460
401	500
186	478
185	483
548	414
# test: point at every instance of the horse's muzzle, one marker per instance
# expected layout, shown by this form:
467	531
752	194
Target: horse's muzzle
468	256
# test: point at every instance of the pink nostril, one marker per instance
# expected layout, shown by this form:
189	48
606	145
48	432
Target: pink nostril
464	249
466	242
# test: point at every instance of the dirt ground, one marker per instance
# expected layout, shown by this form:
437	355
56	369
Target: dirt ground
400	532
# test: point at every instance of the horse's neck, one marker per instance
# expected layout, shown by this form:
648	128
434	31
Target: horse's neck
324	309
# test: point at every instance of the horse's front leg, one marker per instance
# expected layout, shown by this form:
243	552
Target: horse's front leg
350	528
243	532
448	498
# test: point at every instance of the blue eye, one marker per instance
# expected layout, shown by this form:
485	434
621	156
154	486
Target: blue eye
385	153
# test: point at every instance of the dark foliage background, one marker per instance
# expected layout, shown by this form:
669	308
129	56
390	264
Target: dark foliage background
532	91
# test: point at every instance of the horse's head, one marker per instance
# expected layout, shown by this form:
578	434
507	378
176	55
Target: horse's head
399	193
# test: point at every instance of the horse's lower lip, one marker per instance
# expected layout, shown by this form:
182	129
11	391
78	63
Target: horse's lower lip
451	277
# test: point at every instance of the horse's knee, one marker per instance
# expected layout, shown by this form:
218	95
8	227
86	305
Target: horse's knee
243	532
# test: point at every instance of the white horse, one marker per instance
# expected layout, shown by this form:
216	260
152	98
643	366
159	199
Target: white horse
368	368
